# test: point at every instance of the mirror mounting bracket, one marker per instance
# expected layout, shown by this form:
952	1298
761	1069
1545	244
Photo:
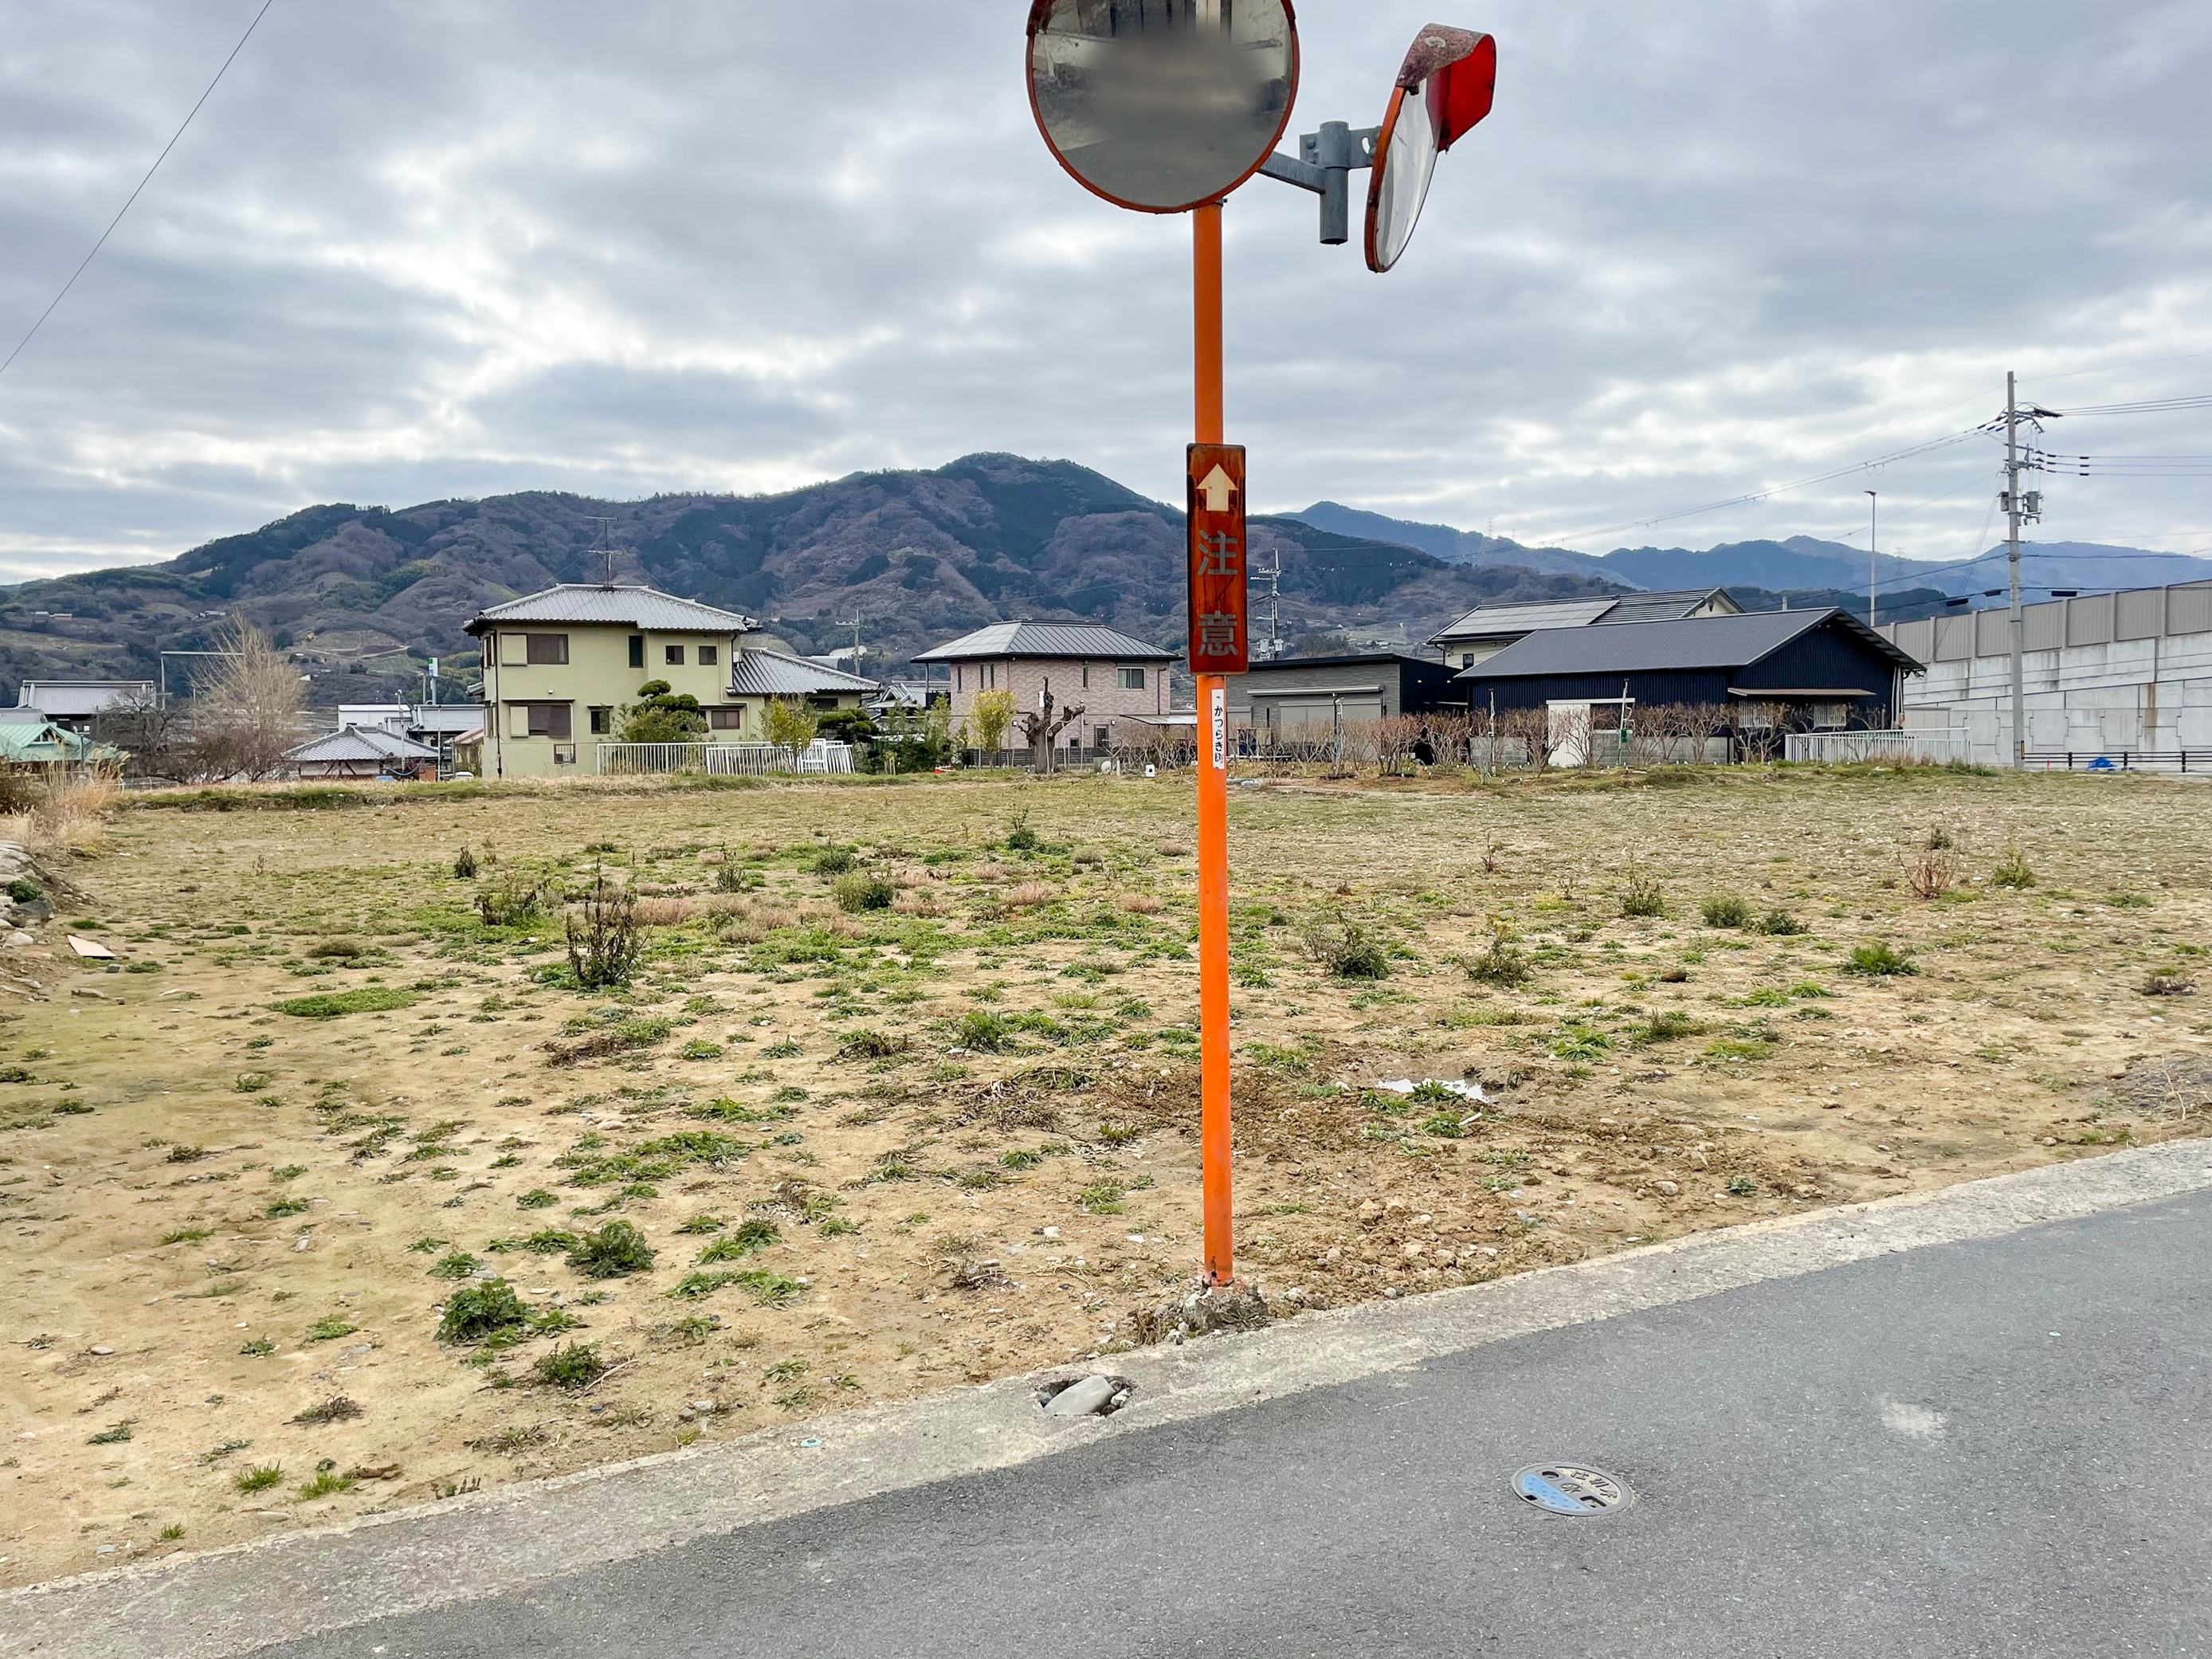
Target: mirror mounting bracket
1324	162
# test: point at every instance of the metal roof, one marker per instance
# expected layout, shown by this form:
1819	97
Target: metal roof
1360	658
621	605
1487	622
771	674
1082	640
360	743
1659	647
1673	606
80	697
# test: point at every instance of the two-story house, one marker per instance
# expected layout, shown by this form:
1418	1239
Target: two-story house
1108	674
559	665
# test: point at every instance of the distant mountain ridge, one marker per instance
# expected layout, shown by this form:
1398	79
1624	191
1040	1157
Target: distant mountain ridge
919	556
1800	563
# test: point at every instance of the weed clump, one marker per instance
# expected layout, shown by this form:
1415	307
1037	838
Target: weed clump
515	901
857	894
605	942
1726	911
329	1005
1667	1027
454	1264
1501	962
615	1251
1878	960
1781	924
751	1239
464	865
834	862
869	1044
476	1312
1346	946
576	1366
2012	869
259	1477
1642	896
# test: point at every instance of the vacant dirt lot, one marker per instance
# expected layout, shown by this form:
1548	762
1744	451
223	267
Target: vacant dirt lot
875	1150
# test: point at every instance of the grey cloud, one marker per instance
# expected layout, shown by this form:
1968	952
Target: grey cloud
428	249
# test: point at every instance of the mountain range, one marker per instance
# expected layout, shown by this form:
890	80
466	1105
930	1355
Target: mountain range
1800	564
362	595
910	558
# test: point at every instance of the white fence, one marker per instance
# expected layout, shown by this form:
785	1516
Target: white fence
721	759
1895	748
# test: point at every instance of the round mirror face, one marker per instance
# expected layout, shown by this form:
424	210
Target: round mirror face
1406	162
1163	105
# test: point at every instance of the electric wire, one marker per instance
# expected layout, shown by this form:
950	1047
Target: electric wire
87	259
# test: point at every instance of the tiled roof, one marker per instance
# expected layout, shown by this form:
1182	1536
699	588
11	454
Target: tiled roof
772	674
1065	641
360	743
623	606
1659	647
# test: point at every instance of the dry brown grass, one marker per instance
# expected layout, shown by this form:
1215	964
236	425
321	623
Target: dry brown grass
665	912
1141	904
1030	893
68	812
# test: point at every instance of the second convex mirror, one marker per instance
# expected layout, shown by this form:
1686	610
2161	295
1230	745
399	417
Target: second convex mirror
1163	105
1445	86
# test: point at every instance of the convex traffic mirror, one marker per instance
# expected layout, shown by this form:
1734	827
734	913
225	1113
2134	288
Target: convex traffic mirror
1163	105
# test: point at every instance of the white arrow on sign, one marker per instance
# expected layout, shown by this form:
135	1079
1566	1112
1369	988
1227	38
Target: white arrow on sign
1217	488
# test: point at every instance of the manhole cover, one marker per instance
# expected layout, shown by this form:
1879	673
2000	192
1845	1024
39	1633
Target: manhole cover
1571	1489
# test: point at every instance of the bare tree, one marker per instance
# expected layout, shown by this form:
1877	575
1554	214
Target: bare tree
154	737
247	716
1040	727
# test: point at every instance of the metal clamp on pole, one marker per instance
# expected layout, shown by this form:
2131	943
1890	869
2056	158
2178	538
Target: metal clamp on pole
1325	161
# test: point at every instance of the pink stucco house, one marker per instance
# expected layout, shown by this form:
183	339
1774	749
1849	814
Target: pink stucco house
1111	676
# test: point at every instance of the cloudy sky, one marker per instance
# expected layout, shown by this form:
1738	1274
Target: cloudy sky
422	248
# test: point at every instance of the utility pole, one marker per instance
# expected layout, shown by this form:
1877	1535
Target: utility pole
2018	506
1874	554
1271	601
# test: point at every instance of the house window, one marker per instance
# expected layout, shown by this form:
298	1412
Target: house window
709	656
1086	676
1830	716
603	722
957	678
1129	679
541	720
990	674
564	754
673	656
728	720
547	648
1102	737
637	651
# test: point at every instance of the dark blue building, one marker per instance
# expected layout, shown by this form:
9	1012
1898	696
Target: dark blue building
1828	670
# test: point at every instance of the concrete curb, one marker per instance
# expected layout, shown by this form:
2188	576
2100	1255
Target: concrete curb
234	1601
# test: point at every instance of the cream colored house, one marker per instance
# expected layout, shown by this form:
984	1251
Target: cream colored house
561	665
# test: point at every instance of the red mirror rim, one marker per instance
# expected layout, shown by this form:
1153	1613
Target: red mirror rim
1455	70
1039	10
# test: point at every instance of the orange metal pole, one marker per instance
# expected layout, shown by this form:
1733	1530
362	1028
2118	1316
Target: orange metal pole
1212	804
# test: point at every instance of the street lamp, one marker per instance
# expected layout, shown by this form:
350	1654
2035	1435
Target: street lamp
1169	109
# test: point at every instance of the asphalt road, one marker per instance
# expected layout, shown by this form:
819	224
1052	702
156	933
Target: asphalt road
1995	1448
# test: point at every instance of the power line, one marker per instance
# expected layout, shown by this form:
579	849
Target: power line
143	183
